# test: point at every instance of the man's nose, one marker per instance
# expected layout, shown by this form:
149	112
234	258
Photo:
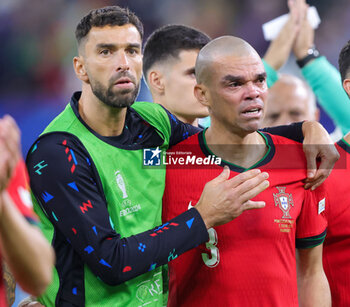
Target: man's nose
252	90
284	119
122	61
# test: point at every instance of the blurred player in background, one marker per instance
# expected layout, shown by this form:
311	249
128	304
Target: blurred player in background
336	248
23	247
169	57
250	261
290	100
344	67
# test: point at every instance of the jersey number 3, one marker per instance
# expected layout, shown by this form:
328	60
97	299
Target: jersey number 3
213	259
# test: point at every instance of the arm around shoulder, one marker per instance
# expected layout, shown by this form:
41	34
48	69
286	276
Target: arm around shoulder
318	145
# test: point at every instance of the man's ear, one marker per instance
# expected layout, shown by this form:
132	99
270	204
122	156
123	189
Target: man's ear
202	95
156	82
79	68
346	85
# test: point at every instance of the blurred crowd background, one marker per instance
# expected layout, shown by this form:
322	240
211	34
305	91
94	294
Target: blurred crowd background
38	44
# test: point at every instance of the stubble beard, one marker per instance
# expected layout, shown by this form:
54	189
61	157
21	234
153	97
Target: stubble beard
112	98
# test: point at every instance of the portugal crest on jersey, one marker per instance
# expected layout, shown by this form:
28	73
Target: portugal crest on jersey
284	201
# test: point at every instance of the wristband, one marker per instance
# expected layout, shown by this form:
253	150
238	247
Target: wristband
312	53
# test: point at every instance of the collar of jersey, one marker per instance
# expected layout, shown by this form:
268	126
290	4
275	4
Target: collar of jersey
344	144
233	167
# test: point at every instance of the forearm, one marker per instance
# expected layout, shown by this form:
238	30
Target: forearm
313	287
272	75
315	133
10	284
26	251
116	260
278	52
324	79
161	245
313	290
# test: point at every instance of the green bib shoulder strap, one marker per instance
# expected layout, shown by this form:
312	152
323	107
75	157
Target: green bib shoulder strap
155	115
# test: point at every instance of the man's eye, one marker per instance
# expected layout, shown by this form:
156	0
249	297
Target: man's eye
273	116
262	81
132	51
105	52
295	114
191	73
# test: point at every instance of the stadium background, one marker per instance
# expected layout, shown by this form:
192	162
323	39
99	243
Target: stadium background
38	44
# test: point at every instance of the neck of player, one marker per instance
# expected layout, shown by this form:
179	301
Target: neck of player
103	119
244	150
192	121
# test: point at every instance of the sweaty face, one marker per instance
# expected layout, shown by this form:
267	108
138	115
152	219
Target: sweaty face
288	103
237	92
113	62
179	84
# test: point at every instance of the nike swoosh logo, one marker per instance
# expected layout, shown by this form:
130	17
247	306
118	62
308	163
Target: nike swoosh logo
190	205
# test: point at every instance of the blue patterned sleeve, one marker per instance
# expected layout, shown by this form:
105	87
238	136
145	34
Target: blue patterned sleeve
179	130
292	131
65	183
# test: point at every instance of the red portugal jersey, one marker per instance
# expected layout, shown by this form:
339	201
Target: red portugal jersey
251	260
19	193
336	249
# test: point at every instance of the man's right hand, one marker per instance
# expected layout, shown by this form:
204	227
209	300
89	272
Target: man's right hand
30	301
9	149
305	38
224	199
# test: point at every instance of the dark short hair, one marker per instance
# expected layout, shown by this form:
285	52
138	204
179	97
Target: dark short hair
169	41
107	16
344	61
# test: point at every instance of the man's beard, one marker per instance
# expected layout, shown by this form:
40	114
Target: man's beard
115	99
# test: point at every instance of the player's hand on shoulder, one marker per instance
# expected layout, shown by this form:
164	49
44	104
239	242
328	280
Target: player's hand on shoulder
224	199
30	301
318	146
